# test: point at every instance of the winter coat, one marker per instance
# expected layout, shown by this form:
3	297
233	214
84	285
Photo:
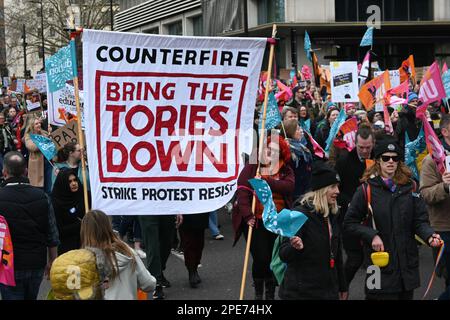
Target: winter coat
128	280
309	274
199	221
398	217
436	197
35	162
322	133
242	208
407	122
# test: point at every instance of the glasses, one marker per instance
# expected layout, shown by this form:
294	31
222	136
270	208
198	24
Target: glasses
387	158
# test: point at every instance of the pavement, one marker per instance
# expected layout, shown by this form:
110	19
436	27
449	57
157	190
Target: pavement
222	265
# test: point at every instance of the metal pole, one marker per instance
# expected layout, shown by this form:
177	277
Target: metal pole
112	15
42	36
294	50
245	18
24	44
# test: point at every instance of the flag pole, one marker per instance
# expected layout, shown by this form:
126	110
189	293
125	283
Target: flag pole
260	144
77	103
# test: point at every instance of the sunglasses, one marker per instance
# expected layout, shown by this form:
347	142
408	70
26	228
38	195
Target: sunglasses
387	158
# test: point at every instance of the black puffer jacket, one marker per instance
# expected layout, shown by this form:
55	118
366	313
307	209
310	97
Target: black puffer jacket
309	274
398	217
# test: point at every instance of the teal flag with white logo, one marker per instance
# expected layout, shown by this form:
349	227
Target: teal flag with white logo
61	67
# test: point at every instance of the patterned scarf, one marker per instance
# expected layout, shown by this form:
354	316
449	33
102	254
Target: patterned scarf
299	151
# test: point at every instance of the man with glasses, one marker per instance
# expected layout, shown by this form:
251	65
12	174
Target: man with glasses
351	168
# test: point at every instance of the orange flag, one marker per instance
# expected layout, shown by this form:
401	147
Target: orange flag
408	70
373	91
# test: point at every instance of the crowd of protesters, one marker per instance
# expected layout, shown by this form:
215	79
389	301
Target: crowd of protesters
358	200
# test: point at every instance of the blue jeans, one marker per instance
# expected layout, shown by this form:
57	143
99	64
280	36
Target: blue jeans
27	285
446	261
213	223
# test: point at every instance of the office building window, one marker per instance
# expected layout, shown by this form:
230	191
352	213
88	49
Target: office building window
197	25
151	31
391	10
270	11
175	29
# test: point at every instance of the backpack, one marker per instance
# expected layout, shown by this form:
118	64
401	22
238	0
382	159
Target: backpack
277	266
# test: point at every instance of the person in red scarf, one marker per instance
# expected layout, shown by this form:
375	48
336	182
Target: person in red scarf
277	171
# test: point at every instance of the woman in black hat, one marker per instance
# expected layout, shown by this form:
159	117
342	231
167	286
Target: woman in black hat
314	256
393	213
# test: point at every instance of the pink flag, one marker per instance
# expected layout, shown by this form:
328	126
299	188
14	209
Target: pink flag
397	95
284	92
431	87
318	150
444	68
388	127
434	145
306	72
6	255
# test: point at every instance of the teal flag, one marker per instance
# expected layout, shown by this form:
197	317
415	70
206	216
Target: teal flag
446	82
335	128
412	151
305	125
287	222
367	40
45	145
308	46
60	68
273	116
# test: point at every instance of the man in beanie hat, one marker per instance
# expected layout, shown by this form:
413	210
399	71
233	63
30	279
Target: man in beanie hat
314	256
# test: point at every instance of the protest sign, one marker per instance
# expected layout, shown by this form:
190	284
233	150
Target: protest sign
68	133
32	106
394	77
344	81
62	107
168	118
431	87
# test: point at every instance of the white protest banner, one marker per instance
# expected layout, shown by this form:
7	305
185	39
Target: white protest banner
31	106
20	85
169	118
40	82
344	81
62	107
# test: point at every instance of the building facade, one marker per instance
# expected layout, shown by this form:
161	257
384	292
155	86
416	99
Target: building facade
420	27
173	17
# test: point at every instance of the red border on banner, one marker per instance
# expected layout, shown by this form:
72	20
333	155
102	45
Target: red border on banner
104	179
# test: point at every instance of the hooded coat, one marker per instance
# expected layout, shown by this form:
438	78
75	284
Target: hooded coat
129	279
398	216
69	210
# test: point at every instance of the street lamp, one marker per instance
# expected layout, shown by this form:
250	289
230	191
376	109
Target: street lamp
42	32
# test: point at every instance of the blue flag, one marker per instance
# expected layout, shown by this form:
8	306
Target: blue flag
61	67
308	46
287	222
367	40
273	116
305	125
45	145
412	151
335	128
446	82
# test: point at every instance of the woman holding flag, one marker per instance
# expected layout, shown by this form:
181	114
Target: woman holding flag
314	256
394	213
277	171
36	158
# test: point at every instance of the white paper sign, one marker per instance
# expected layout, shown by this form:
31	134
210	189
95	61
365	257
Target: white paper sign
394	77
168	117
62	105
344	81
447	163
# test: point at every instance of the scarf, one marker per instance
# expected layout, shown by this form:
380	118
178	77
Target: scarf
299	151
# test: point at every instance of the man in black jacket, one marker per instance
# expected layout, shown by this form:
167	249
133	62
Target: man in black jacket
351	168
32	225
